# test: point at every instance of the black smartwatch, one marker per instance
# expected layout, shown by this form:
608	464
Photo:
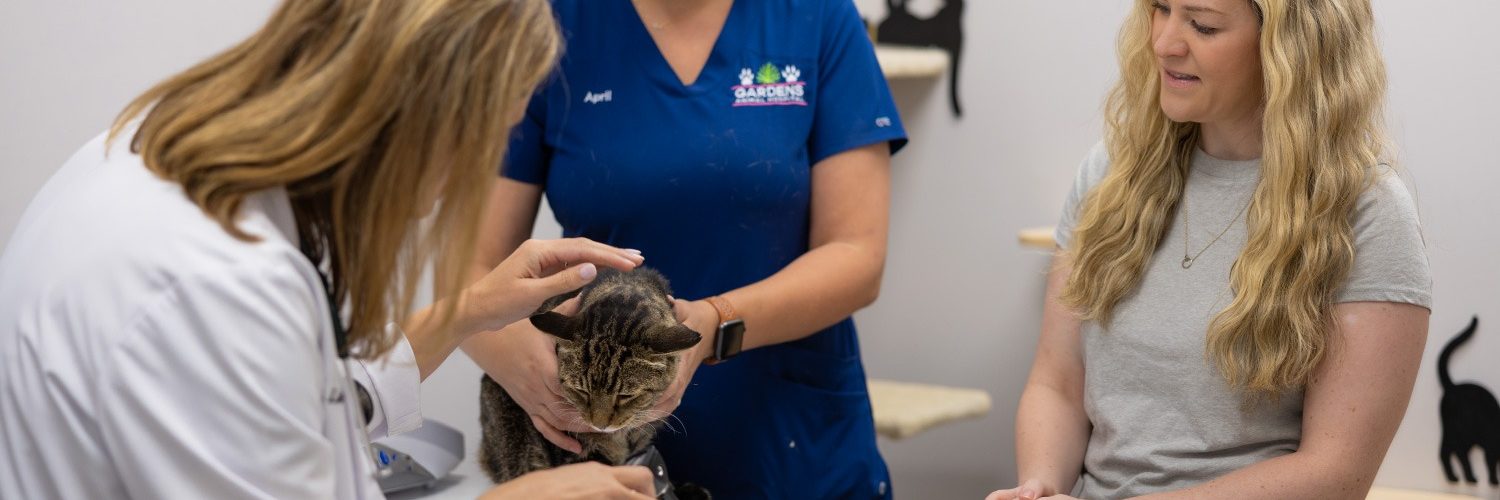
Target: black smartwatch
731	331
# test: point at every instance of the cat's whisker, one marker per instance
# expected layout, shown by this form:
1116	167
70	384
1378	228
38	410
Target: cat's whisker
563	404
653	416
579	421
683	431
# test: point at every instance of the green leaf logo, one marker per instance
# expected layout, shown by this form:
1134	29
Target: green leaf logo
768	74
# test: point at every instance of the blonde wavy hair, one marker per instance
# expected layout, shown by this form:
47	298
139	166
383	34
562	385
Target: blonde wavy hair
1323	133
366	111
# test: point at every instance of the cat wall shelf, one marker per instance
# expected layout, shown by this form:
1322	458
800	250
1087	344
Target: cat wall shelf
904	409
943	31
1396	494
1038	237
899	61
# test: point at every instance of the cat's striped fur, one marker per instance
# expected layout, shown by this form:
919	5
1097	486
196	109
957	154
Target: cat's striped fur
615	356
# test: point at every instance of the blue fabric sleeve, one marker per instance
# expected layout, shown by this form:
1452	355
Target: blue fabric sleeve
528	157
854	105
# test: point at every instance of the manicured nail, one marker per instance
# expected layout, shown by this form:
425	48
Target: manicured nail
588	271
633	251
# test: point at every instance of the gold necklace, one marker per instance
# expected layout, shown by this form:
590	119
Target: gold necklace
1187	232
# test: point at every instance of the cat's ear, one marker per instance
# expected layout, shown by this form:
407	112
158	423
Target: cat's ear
556	325
671	339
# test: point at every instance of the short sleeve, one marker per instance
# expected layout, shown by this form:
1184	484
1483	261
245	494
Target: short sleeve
854	104
528	157
215	393
1390	256
1090	172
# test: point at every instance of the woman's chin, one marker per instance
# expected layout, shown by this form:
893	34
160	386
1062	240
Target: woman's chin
1178	114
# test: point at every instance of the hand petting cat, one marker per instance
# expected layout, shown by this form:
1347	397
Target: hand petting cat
535	272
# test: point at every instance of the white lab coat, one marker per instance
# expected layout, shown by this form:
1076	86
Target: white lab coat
146	353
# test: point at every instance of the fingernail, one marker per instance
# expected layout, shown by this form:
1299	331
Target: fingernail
588	271
671	298
633	251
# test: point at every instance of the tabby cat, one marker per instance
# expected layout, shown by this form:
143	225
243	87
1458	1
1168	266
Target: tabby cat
614	357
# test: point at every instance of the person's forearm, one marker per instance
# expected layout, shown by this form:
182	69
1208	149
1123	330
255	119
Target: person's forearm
1052	433
820	288
481	348
432	342
1296	475
506	224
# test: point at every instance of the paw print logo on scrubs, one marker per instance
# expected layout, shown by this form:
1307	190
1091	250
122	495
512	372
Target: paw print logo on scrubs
791	74
770	85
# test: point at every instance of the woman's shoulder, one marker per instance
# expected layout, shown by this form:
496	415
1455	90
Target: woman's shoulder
1388	199
1094	167
1390	248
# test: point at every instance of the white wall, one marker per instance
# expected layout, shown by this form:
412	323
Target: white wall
961	300
67	67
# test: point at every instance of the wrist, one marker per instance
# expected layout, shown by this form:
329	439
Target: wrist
473	313
704	351
1044	487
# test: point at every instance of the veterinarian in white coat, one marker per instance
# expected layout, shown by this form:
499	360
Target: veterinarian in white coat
164	331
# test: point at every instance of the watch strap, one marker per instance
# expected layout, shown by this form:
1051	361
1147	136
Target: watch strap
725	309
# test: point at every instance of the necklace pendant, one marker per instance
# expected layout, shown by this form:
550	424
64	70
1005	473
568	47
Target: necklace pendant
1187	262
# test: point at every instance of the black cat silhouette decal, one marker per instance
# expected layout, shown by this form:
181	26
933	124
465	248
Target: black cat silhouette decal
1471	417
944	30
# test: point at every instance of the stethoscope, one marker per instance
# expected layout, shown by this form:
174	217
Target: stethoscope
340	340
336	395
340	333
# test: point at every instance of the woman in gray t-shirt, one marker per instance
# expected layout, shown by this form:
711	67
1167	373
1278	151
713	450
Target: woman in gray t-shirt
1240	300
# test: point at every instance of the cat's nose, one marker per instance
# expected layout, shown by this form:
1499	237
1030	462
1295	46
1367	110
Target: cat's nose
601	417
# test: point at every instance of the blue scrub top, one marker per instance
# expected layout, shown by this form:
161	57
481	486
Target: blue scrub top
712	182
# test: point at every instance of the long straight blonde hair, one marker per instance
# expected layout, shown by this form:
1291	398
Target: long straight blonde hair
365	111
1323	134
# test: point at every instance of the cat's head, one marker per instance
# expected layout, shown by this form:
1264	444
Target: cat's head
616	356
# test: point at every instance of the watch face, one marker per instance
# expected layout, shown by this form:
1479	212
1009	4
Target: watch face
731	337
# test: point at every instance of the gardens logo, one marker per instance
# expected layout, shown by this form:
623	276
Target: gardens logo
770	86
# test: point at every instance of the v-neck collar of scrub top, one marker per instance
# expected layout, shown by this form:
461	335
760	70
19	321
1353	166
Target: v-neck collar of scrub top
659	70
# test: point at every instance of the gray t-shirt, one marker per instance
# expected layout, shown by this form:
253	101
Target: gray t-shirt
1163	418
